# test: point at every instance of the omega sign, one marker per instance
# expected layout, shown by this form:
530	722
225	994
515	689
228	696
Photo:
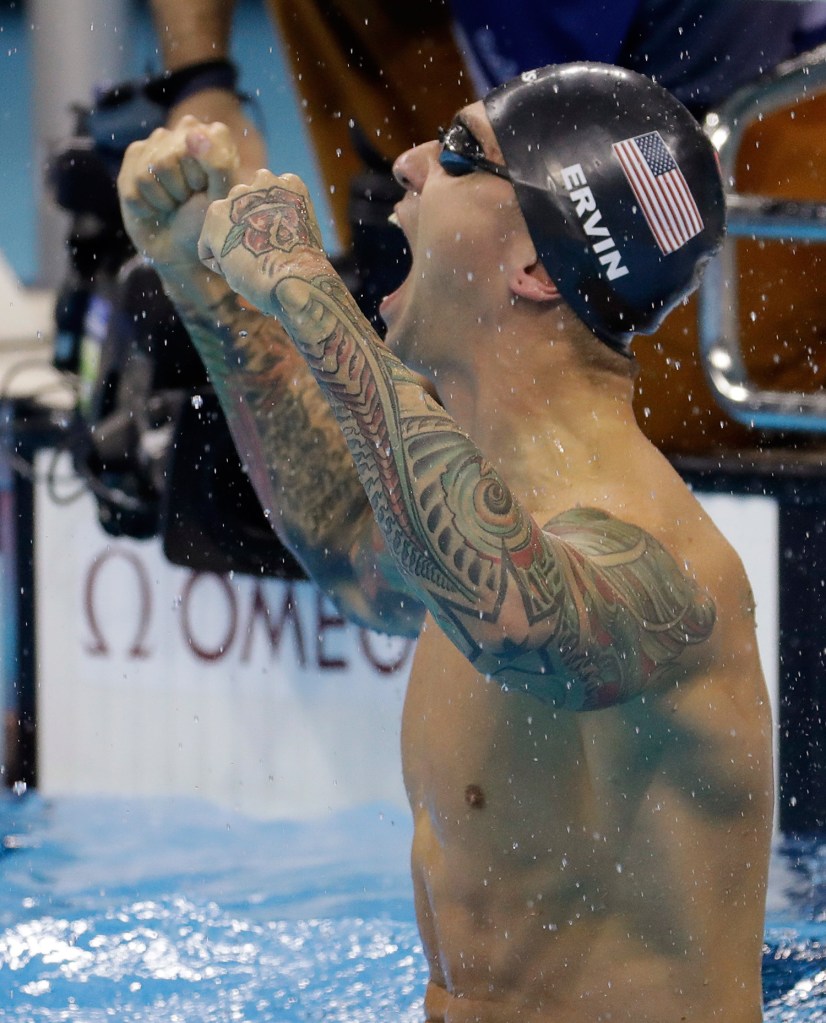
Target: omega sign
242	614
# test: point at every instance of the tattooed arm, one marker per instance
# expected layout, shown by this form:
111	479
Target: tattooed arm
298	460
283	428
586	612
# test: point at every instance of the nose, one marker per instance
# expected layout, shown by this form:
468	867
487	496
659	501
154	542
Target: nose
412	167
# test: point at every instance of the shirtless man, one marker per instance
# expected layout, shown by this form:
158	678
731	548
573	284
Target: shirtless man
586	734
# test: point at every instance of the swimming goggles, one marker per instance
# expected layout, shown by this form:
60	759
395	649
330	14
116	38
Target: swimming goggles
462	153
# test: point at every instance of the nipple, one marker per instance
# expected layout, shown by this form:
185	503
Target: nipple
474	797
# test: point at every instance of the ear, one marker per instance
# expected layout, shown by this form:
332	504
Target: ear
533	282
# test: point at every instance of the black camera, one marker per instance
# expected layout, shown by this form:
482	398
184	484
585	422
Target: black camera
147	434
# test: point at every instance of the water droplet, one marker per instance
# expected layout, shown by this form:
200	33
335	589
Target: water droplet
197	401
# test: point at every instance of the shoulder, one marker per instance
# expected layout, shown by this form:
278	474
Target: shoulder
621	568
628	609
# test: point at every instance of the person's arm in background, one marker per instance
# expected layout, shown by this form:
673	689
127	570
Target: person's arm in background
191	32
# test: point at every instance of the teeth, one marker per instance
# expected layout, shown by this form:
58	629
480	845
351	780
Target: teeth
393	219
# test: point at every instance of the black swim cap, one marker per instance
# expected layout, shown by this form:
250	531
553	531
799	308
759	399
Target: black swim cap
620	189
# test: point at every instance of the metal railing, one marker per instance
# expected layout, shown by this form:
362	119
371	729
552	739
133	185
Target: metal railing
757	217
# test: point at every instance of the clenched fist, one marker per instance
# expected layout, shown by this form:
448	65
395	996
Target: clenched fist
166	184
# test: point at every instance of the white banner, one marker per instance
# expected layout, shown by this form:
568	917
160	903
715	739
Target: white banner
253	693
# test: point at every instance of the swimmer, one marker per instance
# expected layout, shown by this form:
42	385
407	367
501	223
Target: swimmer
586	736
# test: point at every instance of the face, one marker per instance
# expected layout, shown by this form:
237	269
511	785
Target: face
458	214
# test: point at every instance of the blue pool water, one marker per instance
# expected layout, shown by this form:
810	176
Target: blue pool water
179	912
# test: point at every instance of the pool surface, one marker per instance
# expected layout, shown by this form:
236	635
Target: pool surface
177	911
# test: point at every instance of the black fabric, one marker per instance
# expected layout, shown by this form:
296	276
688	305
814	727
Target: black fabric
175	86
702	51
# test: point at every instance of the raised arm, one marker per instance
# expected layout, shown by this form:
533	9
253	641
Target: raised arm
585	612
283	428
189	33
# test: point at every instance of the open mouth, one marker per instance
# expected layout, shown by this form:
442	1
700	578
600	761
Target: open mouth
389	299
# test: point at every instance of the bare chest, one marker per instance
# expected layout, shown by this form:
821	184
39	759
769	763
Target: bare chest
476	757
480	759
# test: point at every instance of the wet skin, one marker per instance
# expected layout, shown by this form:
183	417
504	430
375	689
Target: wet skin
586	737
615	867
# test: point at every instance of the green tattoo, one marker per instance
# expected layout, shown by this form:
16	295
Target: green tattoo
585	613
284	430
605	609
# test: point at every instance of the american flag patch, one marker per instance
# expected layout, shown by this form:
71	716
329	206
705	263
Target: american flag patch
661	190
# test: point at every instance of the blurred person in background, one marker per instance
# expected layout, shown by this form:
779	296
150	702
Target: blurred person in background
375	79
